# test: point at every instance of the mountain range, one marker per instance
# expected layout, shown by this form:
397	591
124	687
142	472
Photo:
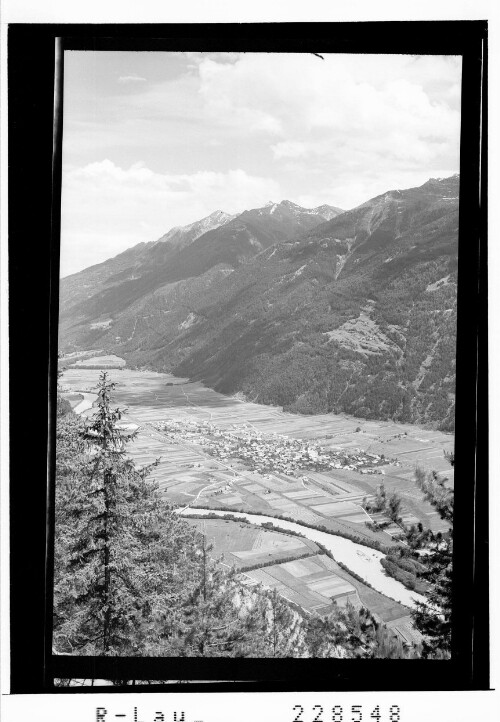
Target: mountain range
315	310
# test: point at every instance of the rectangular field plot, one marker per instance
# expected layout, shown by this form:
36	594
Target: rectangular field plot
285	504
384	608
269	552
339	486
187	478
267	495
189	486
300	494
302	567
256	505
244	545
234	499
304	600
226	536
273	484
300	513
331	586
109	361
308	583
329	564
250	554
338	508
359	518
262	577
266	540
318	500
310	598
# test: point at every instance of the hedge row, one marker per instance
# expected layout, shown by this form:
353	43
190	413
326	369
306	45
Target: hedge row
283	560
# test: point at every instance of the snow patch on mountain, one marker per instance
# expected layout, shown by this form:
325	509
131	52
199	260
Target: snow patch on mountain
214	220
198	228
324	211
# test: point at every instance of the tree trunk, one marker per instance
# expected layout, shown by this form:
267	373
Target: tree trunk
107	573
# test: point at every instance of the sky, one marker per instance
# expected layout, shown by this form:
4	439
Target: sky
155	140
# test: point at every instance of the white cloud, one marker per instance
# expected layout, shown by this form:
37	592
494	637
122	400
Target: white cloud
227	89
131	79
232	130
289	149
106	209
348	195
367	107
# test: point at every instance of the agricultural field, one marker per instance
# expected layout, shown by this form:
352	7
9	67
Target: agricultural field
311	583
104	362
241	545
189	476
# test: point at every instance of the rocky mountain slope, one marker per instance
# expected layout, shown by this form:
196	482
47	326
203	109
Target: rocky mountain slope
355	314
78	287
182	253
180	236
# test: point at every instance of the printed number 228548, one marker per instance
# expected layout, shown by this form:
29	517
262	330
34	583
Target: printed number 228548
355	713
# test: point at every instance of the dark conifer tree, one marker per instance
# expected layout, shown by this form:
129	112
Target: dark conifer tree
220	616
433	617
350	633
286	628
123	557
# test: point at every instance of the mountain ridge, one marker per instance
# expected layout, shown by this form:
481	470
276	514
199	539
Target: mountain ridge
180	236
178	255
355	314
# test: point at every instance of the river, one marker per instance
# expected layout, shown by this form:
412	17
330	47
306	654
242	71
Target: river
364	561
86	403
151	397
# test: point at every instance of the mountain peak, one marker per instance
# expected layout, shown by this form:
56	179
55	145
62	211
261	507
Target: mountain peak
291	210
284	207
445	178
290	204
219	214
183	235
442	181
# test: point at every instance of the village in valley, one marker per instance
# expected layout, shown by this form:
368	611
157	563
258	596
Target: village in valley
269	453
221	455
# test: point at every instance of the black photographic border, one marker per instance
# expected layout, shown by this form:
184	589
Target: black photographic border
34	53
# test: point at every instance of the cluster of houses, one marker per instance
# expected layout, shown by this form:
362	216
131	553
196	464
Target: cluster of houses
268	452
223	489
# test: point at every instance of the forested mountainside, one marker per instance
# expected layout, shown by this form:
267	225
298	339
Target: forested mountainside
110	273
182	253
356	314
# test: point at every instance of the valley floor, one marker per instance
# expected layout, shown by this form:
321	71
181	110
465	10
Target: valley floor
191	475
